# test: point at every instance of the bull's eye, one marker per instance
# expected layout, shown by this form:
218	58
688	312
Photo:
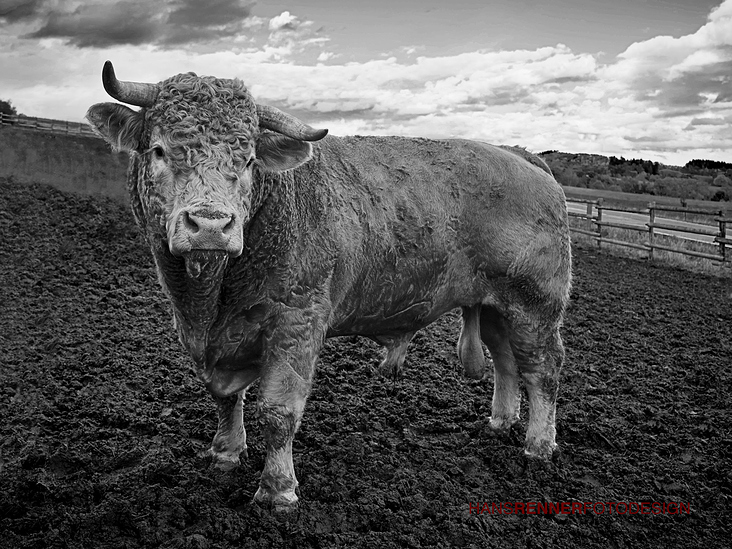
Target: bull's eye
158	151
250	161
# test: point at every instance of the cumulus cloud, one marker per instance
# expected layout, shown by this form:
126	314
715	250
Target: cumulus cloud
681	73
284	22
470	84
289	35
326	56
661	98
670	84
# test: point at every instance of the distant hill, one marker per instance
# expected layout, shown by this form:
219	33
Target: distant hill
698	179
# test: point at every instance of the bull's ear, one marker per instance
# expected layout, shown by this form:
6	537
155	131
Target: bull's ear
277	153
117	124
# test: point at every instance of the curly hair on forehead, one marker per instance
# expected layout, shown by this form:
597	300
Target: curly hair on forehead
205	119
204	108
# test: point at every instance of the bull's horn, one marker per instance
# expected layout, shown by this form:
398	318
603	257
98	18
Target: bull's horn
274	119
132	93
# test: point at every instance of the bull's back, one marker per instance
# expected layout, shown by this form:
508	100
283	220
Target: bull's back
422	225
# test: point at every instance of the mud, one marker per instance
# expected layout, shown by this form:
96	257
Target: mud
104	426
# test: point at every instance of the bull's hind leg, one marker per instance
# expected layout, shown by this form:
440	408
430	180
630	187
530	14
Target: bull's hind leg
506	393
231	437
533	300
539	354
469	348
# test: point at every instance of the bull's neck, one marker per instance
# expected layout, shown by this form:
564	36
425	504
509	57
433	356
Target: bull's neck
193	285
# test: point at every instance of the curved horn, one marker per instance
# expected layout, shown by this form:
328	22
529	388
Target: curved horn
132	93
271	118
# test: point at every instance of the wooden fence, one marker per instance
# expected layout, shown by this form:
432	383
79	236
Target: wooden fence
595	225
46	125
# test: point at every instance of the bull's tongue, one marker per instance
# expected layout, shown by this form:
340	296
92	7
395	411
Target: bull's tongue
198	306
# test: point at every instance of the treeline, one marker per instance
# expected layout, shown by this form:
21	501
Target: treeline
708	165
698	179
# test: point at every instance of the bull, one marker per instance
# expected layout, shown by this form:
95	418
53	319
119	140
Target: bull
266	245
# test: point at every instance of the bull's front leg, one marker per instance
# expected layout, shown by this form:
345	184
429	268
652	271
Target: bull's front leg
231	437
283	390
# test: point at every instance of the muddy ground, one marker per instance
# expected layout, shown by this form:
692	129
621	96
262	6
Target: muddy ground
103	422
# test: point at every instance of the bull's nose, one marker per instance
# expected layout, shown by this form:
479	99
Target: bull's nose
208	224
207	230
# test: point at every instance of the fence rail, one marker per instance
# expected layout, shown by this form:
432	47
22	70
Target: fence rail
46	125
594	227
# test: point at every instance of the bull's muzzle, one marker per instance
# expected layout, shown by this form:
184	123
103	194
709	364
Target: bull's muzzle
206	230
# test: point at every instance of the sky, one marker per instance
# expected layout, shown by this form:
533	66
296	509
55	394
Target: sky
635	78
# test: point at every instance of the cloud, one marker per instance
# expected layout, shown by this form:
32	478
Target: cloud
411	50
218	25
689	73
101	25
210	13
290	35
665	98
284	22
326	56
138	22
18	10
640	104
475	82
671	92
708	122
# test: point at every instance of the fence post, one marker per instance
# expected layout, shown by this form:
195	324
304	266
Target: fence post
599	221
651	221
588	221
723	235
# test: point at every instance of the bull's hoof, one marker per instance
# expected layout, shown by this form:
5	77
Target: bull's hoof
227	461
281	503
540	449
390	370
502	424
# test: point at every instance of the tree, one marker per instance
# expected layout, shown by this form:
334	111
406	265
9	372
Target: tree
722	181
6	107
